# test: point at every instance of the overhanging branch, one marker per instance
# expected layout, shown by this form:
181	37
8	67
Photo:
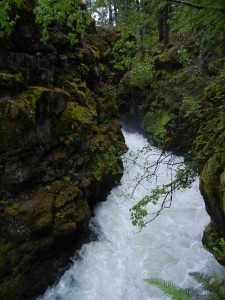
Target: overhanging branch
195	5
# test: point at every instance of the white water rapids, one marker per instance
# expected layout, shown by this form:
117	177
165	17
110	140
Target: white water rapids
114	267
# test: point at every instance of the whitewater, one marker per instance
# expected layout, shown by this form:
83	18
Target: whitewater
114	266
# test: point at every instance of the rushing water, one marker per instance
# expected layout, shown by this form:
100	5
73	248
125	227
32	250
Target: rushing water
114	267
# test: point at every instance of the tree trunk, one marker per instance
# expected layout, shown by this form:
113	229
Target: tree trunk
137	5
160	25
202	53
166	26
110	16
163	25
115	12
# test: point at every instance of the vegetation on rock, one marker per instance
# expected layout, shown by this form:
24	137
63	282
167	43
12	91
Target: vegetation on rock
55	110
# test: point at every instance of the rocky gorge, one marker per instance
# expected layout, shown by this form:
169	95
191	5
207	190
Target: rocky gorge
60	147
61	140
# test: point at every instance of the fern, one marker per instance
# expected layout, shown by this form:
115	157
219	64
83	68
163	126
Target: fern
196	295
210	288
169	288
209	285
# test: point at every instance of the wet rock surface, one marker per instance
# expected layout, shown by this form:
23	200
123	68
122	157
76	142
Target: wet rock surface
60	147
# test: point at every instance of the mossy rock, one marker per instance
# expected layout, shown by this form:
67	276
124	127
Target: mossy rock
155	123
106	108
215	91
59	156
70	208
100	43
38	214
79	54
71	139
84	115
20	258
27	100
91	54
79	92
53	100
214	242
59	40
84	71
12	81
28	216
212	185
19	116
210	136
12	287
106	105
106	150
28	110
51	214
68	195
77	114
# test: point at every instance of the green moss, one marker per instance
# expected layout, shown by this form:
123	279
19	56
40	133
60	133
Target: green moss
76	113
79	54
106	105
13	286
93	54
59	155
213	183
222	189
214	242
155	123
82	211
27	100
84	70
20	116
210	177
59	39
69	194
79	92
70	139
106	150
20	257
210	136
215	90
11	81
70	208
32	215
84	115
108	162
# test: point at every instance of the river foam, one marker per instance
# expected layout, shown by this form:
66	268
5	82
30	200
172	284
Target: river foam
114	266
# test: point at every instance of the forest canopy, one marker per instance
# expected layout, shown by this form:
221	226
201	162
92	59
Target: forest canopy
144	18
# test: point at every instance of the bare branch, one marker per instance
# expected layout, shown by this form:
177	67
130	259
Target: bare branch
198	6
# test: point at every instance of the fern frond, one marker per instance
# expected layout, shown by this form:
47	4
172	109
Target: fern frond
203	279
196	294
210	286
169	289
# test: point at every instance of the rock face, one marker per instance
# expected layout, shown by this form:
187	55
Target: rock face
60	147
184	112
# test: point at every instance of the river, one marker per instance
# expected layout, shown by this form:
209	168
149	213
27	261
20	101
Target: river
114	266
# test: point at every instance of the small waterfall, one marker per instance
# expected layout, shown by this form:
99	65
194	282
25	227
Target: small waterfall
114	267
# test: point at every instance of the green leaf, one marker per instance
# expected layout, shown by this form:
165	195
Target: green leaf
169	289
